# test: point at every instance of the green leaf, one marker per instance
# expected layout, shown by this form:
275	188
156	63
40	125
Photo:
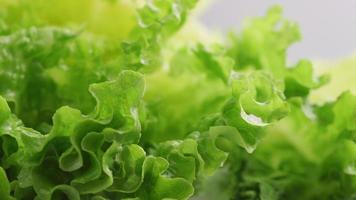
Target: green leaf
264	41
257	102
5	186
157	186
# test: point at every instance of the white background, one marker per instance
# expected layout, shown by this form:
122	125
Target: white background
328	26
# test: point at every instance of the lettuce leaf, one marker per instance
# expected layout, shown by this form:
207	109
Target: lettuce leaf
97	105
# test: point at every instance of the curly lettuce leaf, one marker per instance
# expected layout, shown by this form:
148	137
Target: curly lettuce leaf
201	118
263	44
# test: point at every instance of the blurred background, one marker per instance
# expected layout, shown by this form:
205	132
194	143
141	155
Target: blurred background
328	26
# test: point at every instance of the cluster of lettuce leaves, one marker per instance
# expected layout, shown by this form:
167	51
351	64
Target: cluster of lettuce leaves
102	100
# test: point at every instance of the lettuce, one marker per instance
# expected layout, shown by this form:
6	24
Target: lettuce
97	105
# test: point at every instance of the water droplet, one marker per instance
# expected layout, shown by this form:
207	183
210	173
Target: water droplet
144	61
176	11
250	148
135	116
252	119
222	163
308	111
142	23
351	169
